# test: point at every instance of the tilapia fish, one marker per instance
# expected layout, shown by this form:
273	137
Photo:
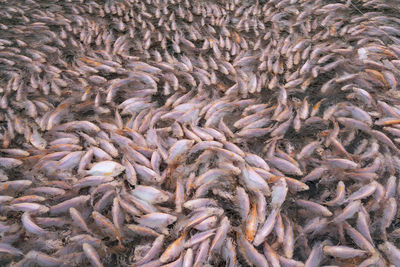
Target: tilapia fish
199	133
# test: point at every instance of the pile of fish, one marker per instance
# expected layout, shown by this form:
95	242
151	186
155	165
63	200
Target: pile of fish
199	133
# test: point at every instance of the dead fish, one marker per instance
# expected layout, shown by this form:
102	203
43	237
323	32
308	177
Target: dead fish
106	168
343	252
91	254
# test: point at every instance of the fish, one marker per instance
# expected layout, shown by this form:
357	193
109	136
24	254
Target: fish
106	168
199	133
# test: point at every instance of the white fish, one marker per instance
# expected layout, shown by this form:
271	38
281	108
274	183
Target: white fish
279	192
178	150
149	194
37	140
254	181
106	168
